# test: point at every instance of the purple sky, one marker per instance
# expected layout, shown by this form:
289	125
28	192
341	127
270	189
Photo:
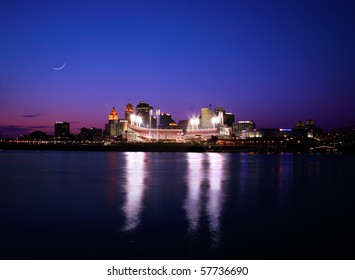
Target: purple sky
274	62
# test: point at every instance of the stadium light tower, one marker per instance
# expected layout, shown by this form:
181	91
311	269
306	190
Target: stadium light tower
215	121
150	124
133	118
197	122
139	121
157	113
194	123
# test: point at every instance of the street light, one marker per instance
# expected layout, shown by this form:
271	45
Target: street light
197	122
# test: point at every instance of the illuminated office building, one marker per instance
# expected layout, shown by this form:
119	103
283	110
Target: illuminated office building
112	127
312	130
242	127
143	110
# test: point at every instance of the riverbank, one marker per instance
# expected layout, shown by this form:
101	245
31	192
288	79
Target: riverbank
120	147
157	147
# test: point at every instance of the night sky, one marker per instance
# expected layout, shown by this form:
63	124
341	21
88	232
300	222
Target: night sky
274	62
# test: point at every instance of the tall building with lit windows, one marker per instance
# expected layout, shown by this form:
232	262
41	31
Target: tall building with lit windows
241	127
143	110
112	127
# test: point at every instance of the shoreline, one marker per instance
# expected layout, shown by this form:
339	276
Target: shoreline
161	147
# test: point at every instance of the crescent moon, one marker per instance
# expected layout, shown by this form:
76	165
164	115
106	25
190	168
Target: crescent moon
58	68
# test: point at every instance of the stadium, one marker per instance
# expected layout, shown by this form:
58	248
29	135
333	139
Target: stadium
141	134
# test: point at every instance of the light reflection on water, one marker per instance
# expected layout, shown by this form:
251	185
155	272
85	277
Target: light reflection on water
215	195
193	199
134	189
205	169
175	205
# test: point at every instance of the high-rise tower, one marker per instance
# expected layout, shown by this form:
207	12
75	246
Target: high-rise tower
143	109
112	128
128	112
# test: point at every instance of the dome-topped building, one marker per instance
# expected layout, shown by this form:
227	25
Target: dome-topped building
111	128
113	116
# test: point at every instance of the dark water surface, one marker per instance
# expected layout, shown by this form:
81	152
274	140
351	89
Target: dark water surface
136	205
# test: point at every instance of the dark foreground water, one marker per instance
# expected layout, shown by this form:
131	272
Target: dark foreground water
135	205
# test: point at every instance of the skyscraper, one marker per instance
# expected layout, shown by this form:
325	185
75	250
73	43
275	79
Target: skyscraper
112	127
142	110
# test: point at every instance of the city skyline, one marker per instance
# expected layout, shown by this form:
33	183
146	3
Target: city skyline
156	115
271	62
